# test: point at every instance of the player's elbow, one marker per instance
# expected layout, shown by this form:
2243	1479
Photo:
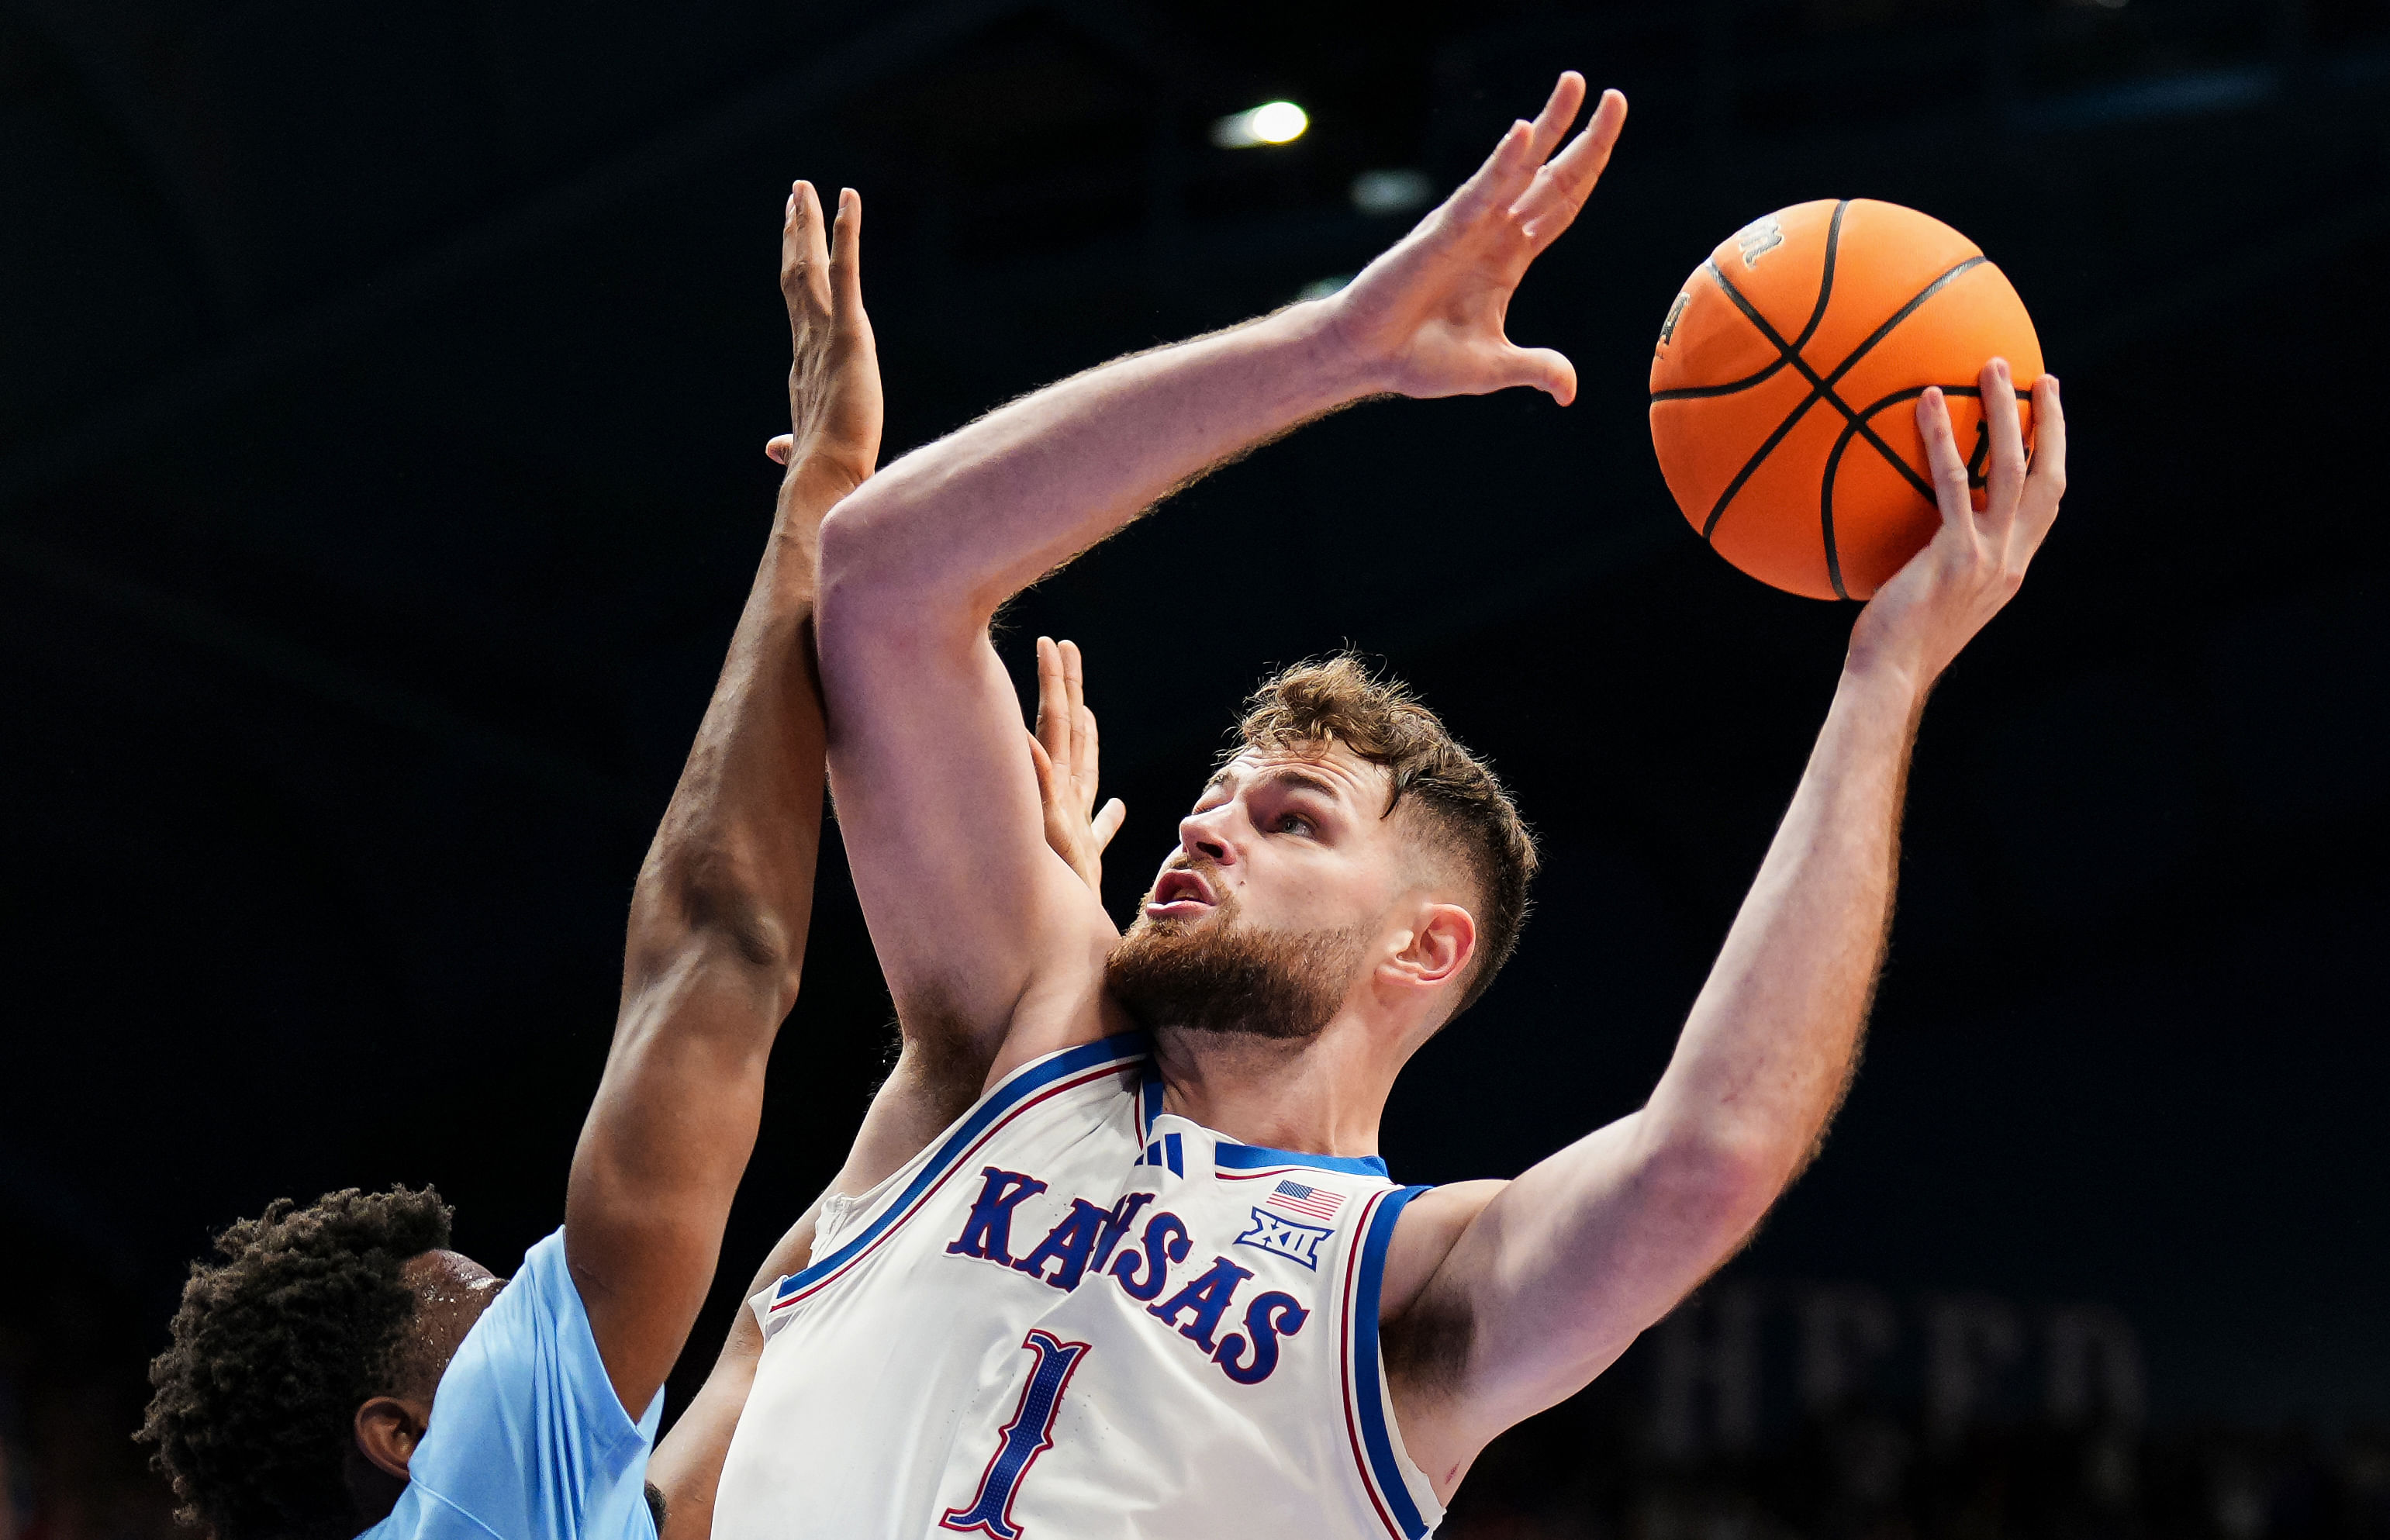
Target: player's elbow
871	561
1719	1184
702	929
887	583
851	543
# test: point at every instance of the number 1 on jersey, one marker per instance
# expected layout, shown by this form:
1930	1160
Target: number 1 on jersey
1028	1435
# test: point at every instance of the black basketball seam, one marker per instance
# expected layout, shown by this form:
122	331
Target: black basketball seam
1696	392
1699	392
1759	458
1817	388
1826	513
1822	387
1834	461
1826	279
1903	313
1912	393
1834	468
1816	315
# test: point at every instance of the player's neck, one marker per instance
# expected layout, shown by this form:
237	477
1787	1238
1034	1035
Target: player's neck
1323	1096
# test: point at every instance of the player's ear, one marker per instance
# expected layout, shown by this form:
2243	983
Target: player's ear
1442	940
388	1430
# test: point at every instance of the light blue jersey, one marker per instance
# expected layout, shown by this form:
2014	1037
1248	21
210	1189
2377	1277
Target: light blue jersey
528	1440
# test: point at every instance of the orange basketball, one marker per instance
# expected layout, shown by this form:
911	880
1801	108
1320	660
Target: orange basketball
1784	387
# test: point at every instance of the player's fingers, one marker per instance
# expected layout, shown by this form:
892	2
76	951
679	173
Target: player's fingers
1051	796
1107	824
1942	457
780	448
805	255
1547	370
793	239
1549	205
1497	183
1053	709
1083	747
1560	110
2046	483
846	258
2004	477
1074	694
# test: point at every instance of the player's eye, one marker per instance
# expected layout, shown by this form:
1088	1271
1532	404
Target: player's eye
1294	822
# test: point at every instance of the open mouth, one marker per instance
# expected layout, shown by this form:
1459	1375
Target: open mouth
1180	894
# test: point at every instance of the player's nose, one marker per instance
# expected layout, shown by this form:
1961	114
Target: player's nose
1207	833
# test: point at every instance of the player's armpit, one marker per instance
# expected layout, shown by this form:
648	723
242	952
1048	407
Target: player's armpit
687	1466
1426	1329
1547	1279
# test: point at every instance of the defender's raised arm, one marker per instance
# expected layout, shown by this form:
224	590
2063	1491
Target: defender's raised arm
719	915
979	927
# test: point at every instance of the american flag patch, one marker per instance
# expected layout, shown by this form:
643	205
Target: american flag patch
1315	1202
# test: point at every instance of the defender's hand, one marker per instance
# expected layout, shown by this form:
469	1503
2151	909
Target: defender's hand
1064	748
834	400
1427	315
1933	606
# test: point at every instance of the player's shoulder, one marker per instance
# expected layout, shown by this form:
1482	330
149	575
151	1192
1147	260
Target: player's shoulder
528	1440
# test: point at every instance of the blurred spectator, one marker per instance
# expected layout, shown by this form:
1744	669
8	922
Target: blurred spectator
74	1343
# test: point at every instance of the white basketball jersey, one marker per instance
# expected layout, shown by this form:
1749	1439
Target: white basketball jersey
1077	1316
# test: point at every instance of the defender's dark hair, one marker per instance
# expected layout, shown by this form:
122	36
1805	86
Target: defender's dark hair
273	1350
1465	809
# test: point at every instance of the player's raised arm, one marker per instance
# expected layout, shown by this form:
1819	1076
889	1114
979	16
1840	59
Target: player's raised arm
1502	1301
719	915
979	927
910	1109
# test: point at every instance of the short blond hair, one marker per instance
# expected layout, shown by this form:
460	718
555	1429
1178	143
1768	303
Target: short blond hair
1469	813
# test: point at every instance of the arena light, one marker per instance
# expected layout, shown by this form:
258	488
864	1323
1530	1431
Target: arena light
1390	192
1270	123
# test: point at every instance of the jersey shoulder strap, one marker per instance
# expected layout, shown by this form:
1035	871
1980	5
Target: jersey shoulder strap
1405	1500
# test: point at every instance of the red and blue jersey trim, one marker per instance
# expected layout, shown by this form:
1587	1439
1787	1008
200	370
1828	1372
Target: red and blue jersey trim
1364	1401
1254	1157
1035	1083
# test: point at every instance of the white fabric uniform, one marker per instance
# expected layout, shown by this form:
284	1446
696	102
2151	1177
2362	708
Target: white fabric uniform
1075	1315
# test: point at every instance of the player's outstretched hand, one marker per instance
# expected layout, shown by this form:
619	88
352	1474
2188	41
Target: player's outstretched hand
1935	605
1064	748
1428	313
834	400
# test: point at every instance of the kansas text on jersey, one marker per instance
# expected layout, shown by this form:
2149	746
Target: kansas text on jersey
1076	1315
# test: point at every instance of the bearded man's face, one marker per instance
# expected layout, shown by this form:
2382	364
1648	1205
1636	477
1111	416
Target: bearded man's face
1286	873
1219	974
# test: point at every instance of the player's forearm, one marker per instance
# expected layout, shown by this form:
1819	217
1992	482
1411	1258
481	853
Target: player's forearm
1589	1247
954	528
731	869
718	921
1770	1046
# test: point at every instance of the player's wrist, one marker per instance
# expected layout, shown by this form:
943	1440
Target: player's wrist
820	474
1352	360
1895	668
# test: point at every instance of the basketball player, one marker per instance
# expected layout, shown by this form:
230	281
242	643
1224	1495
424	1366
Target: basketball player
297	1400
1157	1281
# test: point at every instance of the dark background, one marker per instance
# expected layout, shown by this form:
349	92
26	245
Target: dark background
382	392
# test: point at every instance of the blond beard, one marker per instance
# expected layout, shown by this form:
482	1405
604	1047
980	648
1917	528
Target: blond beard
1216	976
